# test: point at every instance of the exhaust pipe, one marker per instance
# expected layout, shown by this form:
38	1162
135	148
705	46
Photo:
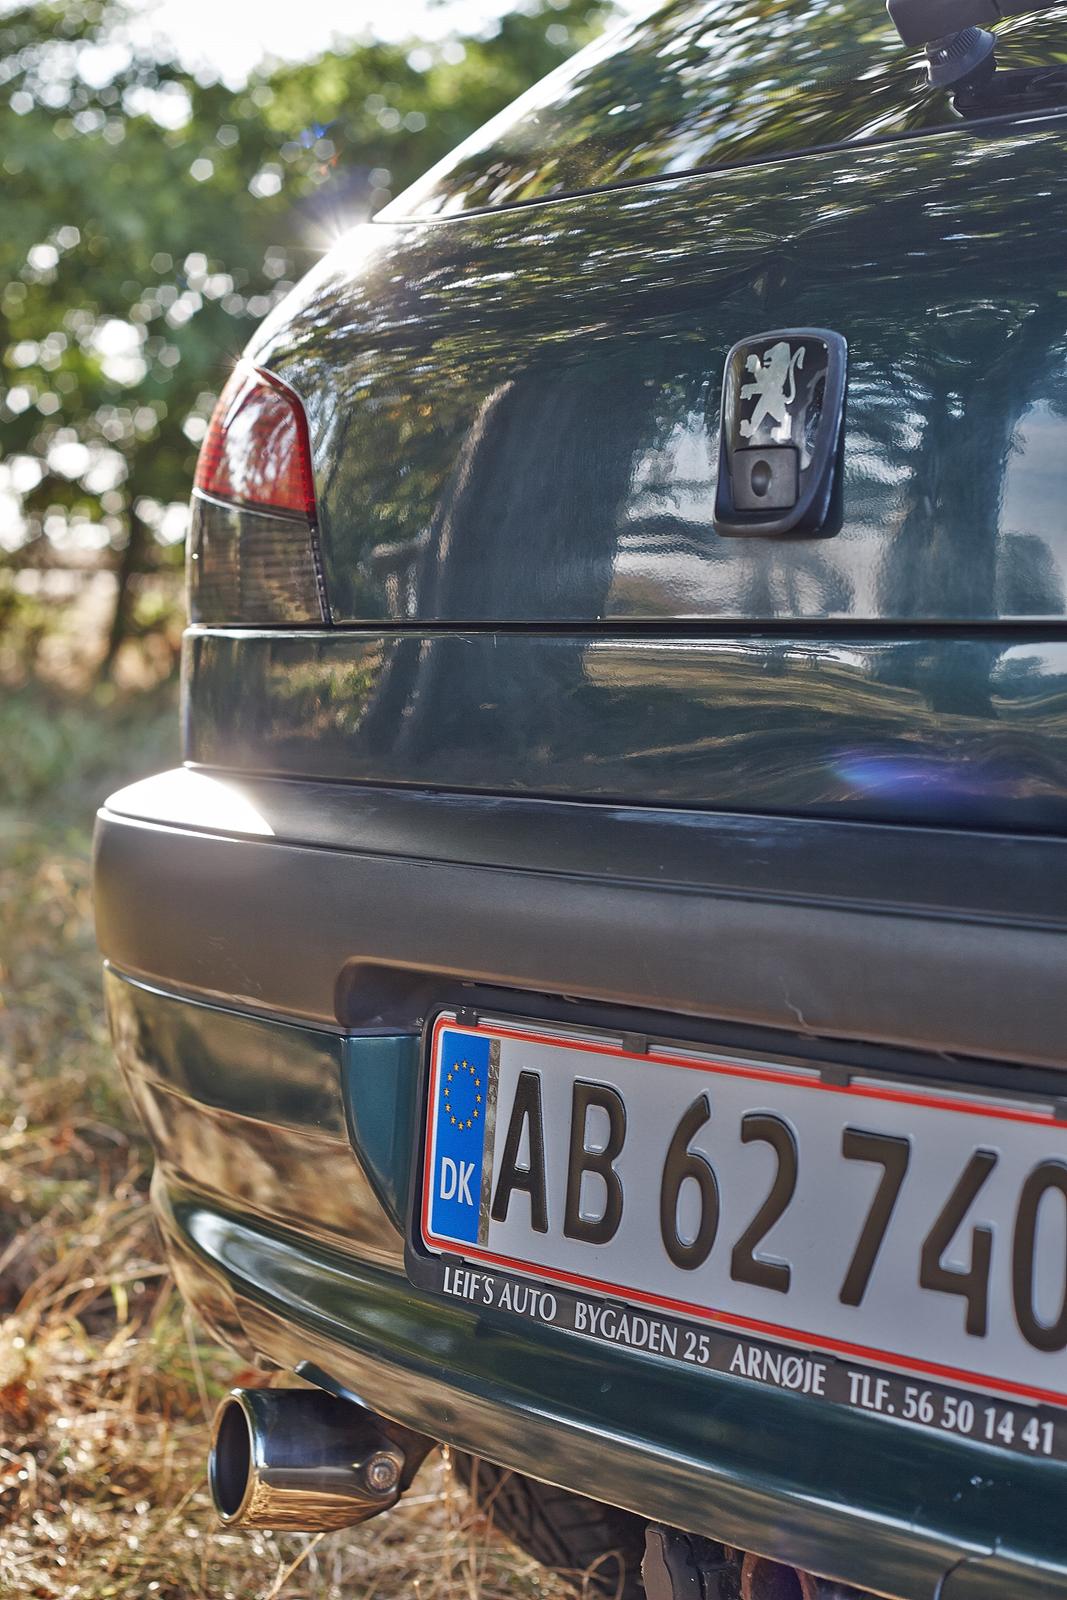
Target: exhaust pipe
303	1461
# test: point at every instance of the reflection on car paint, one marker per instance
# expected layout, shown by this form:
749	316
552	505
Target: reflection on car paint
250	1110
922	729
516	414
698	86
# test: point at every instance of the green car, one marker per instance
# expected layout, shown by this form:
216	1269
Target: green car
597	986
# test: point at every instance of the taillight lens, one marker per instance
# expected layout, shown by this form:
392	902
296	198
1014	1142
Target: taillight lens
253	546
256	449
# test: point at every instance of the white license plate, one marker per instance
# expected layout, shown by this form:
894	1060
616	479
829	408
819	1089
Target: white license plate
877	1226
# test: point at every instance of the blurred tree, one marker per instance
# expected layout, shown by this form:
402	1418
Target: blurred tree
153	216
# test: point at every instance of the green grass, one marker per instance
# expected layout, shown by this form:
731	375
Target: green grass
106	1384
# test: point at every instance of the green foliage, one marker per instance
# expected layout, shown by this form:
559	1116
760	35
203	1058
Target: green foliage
68	753
152	218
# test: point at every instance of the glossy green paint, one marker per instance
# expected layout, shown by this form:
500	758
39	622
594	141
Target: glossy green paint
227	1062
696	86
251	1110
515	415
918	727
713	1453
379	1081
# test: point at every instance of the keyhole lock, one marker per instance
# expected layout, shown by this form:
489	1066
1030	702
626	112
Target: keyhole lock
766	480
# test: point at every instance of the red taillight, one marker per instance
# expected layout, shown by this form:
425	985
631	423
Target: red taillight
253	553
256	450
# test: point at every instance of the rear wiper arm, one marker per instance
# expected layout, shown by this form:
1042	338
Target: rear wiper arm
959	51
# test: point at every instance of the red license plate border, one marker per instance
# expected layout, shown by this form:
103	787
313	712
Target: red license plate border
440	1263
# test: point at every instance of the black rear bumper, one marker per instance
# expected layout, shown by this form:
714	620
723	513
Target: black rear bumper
338	904
275	947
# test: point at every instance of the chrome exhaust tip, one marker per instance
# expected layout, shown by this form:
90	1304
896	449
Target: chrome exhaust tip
303	1461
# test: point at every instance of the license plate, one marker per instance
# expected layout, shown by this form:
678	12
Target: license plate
877	1244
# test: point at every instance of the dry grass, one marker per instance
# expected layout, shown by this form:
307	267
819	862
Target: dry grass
105	1383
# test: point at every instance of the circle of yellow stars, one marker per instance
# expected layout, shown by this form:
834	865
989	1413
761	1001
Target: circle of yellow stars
458	1069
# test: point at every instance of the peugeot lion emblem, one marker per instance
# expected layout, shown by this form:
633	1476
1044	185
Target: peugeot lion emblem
783	404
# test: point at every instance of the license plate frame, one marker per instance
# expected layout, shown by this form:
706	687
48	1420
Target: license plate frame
890	1383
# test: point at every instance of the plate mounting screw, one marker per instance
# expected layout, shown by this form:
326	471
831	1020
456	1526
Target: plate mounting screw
382	1472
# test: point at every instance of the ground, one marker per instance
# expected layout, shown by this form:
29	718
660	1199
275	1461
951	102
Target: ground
106	1382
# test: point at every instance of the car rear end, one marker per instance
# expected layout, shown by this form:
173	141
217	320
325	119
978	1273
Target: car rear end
595	986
